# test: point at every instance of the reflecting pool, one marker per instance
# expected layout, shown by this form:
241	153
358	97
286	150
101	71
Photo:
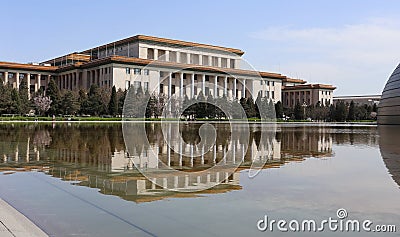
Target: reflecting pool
84	179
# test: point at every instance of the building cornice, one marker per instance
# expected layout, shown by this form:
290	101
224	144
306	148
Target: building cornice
25	66
309	86
138	38
293	80
170	65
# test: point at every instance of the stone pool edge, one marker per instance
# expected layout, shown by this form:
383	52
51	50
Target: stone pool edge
15	224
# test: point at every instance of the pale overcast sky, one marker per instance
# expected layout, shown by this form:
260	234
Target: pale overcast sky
354	45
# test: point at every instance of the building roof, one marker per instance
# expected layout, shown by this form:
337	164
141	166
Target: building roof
166	41
178	66
309	86
293	80
72	57
25	66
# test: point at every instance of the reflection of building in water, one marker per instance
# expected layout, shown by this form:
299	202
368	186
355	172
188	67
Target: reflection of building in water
98	157
228	149
305	141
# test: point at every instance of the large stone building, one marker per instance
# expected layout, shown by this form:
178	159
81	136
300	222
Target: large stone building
161	66
297	91
358	99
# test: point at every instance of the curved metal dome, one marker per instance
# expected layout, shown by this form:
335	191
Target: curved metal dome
389	106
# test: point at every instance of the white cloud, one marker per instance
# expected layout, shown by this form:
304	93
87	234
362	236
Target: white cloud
345	56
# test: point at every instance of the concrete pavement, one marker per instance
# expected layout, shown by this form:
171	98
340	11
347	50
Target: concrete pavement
15	224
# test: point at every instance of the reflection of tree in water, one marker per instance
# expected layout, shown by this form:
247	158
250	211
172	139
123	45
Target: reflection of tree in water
92	144
42	138
15	137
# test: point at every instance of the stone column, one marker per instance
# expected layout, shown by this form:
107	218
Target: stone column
200	59
226	86
159	82
210	61
234	87
169	85
28	81
188	58
67	81
216	87
228	63
181	84
155	54
178	56
48	80
219	62
17	80
167	55
244	88
192	89
5	77
37	85
203	84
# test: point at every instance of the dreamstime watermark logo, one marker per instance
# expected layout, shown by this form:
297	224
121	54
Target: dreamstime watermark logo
340	223
175	90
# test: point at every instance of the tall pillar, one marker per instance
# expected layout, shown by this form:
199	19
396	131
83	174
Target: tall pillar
181	84
71	75
216	87
28	81
226	86
17	80
37	85
188	58
200	59
159	82
204	84
5	78
178	56
244	88
155	54
167	55
192	89
76	81
169	84
219	62
210	61
234	87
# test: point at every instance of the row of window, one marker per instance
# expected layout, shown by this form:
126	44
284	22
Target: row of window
137	85
22	76
137	71
190	58
266	82
306	92
308	102
270	94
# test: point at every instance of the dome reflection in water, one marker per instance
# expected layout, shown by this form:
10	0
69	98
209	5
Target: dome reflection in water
389	145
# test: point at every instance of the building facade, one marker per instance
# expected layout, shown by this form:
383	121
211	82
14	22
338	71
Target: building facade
159	66
296	91
358	99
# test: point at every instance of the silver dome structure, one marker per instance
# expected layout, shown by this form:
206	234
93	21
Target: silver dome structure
389	106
